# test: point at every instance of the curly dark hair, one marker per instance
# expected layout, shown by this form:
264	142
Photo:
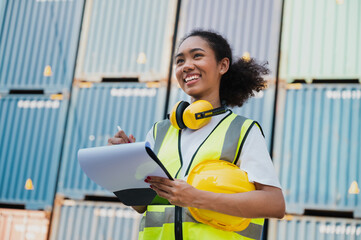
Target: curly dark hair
243	77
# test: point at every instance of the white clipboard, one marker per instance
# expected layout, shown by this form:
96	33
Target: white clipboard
122	170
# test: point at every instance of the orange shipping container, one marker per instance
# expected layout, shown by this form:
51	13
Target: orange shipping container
23	224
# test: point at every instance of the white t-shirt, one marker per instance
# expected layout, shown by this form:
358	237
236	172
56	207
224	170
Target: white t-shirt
254	158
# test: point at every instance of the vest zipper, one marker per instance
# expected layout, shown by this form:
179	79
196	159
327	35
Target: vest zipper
179	154
178	230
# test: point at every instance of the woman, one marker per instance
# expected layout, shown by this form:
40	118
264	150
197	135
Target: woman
205	71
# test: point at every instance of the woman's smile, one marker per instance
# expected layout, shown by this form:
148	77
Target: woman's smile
191	78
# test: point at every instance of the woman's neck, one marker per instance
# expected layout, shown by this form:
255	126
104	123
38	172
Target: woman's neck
216	102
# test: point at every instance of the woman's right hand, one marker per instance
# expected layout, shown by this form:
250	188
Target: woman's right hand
120	137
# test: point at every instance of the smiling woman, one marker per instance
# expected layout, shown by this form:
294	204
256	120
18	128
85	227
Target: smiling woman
197	70
206	72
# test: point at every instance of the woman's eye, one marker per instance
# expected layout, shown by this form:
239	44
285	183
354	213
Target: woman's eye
178	61
197	55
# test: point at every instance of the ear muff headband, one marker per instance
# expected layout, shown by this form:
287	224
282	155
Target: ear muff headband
211	113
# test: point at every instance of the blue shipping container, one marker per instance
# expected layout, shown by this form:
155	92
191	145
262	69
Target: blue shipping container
94	220
126	39
259	108
317	147
32	130
314	228
321	40
38	44
95	112
251	27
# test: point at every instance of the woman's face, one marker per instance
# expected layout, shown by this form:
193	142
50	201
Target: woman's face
197	70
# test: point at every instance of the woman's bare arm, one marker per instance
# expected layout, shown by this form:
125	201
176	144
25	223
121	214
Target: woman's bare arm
265	201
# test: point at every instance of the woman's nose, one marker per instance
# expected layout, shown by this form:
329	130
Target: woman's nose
188	65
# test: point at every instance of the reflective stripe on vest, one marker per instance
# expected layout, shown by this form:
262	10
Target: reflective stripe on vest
157	216
158	221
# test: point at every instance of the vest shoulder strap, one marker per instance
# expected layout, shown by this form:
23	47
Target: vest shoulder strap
160	129
245	129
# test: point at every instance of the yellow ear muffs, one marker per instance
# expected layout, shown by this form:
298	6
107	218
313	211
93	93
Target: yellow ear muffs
195	115
176	115
189	114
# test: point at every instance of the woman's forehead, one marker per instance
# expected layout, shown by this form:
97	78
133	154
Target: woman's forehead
193	42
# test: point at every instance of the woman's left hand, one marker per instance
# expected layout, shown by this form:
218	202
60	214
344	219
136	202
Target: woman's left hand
177	192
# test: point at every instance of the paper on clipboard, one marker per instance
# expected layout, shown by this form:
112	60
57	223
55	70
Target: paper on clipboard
122	169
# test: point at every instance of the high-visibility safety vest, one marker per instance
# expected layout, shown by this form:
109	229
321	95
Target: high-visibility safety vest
165	221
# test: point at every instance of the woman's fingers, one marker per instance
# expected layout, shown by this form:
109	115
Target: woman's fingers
178	192
121	134
120	137
160	180
160	192
131	138
115	141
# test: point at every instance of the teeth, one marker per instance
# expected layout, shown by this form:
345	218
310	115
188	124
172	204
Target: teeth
191	78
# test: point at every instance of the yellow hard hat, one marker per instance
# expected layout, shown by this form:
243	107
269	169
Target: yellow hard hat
220	177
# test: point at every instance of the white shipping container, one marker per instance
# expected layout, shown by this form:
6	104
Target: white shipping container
23	224
87	220
314	228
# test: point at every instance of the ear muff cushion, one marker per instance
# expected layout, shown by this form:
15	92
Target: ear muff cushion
175	117
179	114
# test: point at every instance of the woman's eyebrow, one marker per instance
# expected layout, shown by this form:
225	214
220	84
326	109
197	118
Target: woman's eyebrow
192	50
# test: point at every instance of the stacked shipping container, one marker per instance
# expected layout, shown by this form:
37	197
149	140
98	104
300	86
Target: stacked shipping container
320	40
126	39
317	127
30	144
95	112
317	148
317	134
38	43
120	41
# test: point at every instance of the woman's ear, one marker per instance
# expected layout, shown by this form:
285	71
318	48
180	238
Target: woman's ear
224	66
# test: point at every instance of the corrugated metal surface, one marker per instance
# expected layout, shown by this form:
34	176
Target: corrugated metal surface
317	146
23	224
94	220
122	38
250	26
259	108
314	228
95	113
38	43
321	40
2	13
32	130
